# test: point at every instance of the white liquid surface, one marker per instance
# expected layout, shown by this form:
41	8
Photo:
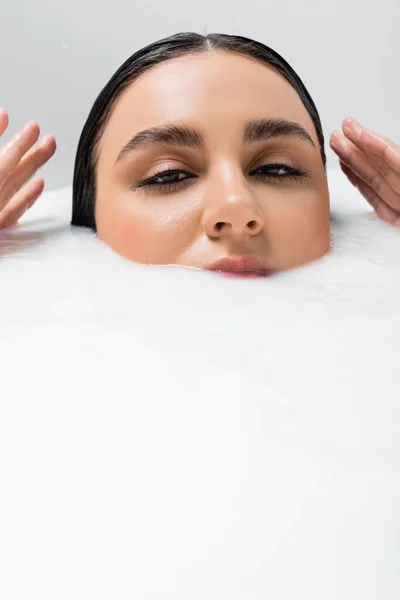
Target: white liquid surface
167	433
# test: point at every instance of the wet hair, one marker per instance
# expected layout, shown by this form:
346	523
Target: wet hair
84	182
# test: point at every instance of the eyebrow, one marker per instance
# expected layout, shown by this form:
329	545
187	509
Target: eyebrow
180	135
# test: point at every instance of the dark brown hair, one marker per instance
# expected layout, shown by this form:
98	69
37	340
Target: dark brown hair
84	184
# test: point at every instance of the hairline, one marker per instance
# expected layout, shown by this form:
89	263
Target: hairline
94	158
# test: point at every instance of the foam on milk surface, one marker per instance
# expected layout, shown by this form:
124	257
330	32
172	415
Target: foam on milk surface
169	433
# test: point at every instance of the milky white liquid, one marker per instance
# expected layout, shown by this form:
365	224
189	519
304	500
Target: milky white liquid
167	433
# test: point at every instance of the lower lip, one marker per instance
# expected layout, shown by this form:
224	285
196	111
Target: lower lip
244	274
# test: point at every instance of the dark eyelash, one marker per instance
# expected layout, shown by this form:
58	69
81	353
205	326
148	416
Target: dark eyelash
152	181
293	173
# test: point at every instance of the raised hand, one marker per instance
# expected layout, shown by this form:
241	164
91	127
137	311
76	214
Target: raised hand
20	158
372	164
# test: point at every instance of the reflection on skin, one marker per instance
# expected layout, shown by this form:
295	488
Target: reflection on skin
234	163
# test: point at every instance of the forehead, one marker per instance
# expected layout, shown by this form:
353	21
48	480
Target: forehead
215	90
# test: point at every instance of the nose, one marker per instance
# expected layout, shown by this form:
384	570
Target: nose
233	215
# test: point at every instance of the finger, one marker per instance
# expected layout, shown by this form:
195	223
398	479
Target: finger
12	153
384	212
382	156
21	202
349	174
385	157
37	156
356	160
3	121
390	142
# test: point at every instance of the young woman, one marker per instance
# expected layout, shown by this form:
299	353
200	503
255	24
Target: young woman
207	152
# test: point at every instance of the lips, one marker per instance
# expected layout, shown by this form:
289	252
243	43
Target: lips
244	266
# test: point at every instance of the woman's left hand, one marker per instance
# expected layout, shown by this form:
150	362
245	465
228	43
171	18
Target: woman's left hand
372	164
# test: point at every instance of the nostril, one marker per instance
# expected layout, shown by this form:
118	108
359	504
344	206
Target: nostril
252	224
219	226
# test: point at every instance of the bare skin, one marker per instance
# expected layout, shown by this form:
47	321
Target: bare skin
221	209
372	164
231	200
20	158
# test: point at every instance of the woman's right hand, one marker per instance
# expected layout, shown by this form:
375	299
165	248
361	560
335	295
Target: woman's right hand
20	158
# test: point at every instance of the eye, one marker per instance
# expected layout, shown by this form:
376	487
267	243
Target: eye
165	179
173	179
278	172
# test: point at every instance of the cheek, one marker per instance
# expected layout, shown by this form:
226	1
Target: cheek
150	230
300	228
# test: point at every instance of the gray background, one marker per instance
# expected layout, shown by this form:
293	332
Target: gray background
56	56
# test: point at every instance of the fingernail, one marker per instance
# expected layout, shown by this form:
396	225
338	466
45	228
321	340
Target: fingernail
334	138
27	126
352	124
353	121
45	140
339	142
397	222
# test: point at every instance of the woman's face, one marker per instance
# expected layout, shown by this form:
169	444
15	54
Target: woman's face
212	157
